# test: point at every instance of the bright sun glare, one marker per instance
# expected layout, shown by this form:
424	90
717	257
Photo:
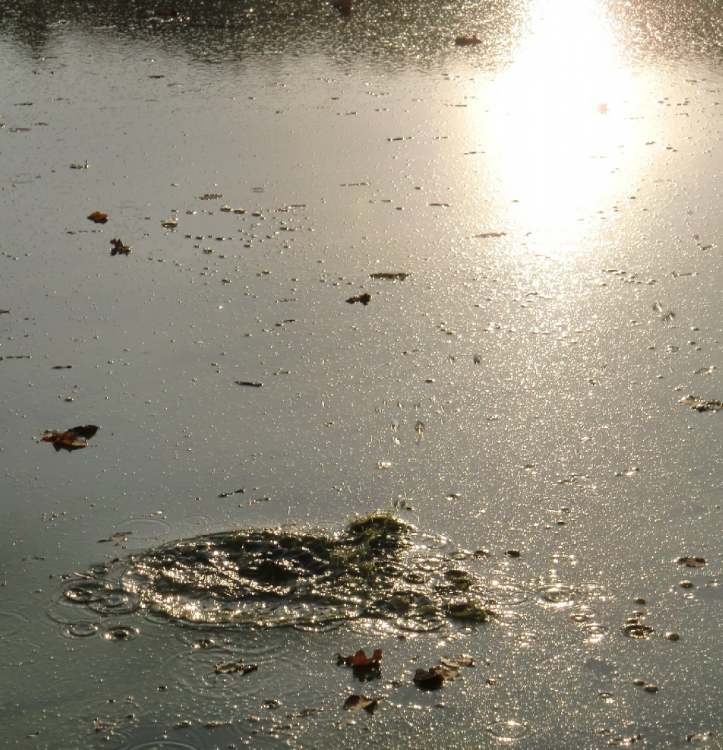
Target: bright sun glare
559	116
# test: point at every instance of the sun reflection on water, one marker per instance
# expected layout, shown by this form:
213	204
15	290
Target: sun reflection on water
561	121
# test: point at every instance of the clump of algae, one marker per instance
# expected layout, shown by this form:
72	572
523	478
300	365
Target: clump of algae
365	537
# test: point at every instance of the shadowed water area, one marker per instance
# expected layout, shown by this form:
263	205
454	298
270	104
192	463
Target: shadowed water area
449	269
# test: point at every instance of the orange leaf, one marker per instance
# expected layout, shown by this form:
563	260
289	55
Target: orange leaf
98	217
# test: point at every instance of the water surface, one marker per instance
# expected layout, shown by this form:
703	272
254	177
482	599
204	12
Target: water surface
553	194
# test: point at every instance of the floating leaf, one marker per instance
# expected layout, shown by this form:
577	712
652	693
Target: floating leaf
434	678
364	667
389	275
98	217
692	561
467	40
363	298
118	248
72	439
357	702
169	223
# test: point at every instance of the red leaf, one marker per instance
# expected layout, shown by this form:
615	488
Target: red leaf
361	660
98	217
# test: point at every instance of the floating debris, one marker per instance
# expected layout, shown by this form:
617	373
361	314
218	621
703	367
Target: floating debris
363	298
70	440
360	659
249	383
77	165
378	568
118	537
210	196
239	491
118	248
691	561
169	223
419	428
358	702
235	667
467	40
98	217
701	404
490	235
666	317
434	678
636	629
364	667
389	275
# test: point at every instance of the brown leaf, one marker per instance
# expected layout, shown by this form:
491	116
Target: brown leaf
98	217
434	678
357	702
72	439
117	247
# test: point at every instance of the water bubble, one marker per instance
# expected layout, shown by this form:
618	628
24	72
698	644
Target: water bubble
80	629
558	595
508	730
115	601
120	633
508	594
637	630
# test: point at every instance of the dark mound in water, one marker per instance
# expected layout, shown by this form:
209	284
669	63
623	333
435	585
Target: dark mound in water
379	567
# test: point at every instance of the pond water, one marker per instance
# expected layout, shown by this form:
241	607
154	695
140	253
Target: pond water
532	383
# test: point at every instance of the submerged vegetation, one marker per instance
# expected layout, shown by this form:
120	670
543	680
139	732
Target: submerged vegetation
378	567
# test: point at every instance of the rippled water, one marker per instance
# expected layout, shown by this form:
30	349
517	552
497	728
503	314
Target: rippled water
535	376
378	568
